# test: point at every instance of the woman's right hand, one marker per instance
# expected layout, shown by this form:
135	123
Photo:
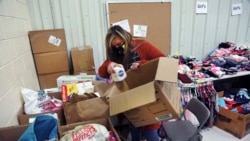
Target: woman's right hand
111	67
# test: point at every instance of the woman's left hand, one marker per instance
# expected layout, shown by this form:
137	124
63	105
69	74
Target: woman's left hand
135	66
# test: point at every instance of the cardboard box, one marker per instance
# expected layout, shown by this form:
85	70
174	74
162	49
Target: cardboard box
83	60
24	118
235	123
50	80
51	62
12	133
50	55
103	121
148	95
43	41
68	79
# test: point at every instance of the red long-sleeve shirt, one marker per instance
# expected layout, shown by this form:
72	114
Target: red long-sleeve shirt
145	50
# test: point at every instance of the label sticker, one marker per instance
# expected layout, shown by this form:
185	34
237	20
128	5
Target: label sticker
55	41
164	117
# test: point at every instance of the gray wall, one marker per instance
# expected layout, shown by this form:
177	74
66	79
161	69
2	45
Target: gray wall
16	62
85	23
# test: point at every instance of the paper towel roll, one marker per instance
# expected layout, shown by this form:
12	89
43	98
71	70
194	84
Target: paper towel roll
119	74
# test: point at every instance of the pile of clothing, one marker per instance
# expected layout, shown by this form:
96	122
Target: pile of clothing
226	59
236	100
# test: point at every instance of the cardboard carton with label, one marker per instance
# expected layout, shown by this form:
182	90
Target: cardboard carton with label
148	95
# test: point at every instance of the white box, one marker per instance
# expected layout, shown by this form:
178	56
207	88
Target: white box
67	79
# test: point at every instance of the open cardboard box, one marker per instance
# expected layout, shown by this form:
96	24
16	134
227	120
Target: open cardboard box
235	123
148	95
12	133
25	118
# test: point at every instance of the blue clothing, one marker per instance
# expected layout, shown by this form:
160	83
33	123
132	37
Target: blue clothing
44	127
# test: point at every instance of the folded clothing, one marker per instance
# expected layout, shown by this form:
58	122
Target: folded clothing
184	78
242	96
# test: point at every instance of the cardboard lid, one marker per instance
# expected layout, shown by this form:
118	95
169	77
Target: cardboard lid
133	98
167	69
163	69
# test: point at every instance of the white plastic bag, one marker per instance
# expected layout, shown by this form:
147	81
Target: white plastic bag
87	132
33	100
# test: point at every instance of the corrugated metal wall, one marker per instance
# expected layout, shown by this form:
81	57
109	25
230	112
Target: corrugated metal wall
85	23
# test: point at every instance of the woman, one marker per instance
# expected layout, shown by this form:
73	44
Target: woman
124	50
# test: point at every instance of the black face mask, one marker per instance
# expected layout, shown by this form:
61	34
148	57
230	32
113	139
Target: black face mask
118	50
118	54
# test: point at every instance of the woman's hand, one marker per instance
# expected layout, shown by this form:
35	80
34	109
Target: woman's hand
135	66
111	67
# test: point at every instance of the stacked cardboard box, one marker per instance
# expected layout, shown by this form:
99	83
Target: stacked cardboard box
50	55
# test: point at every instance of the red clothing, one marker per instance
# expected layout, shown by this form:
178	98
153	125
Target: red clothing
146	52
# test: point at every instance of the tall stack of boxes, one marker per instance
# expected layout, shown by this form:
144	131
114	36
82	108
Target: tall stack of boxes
50	56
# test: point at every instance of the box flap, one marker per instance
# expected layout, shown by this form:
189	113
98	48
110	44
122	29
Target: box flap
167	69
133	98
173	95
163	69
116	88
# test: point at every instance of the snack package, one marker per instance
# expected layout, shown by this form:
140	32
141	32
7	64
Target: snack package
87	132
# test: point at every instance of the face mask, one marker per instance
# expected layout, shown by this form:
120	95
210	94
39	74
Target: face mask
118	50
